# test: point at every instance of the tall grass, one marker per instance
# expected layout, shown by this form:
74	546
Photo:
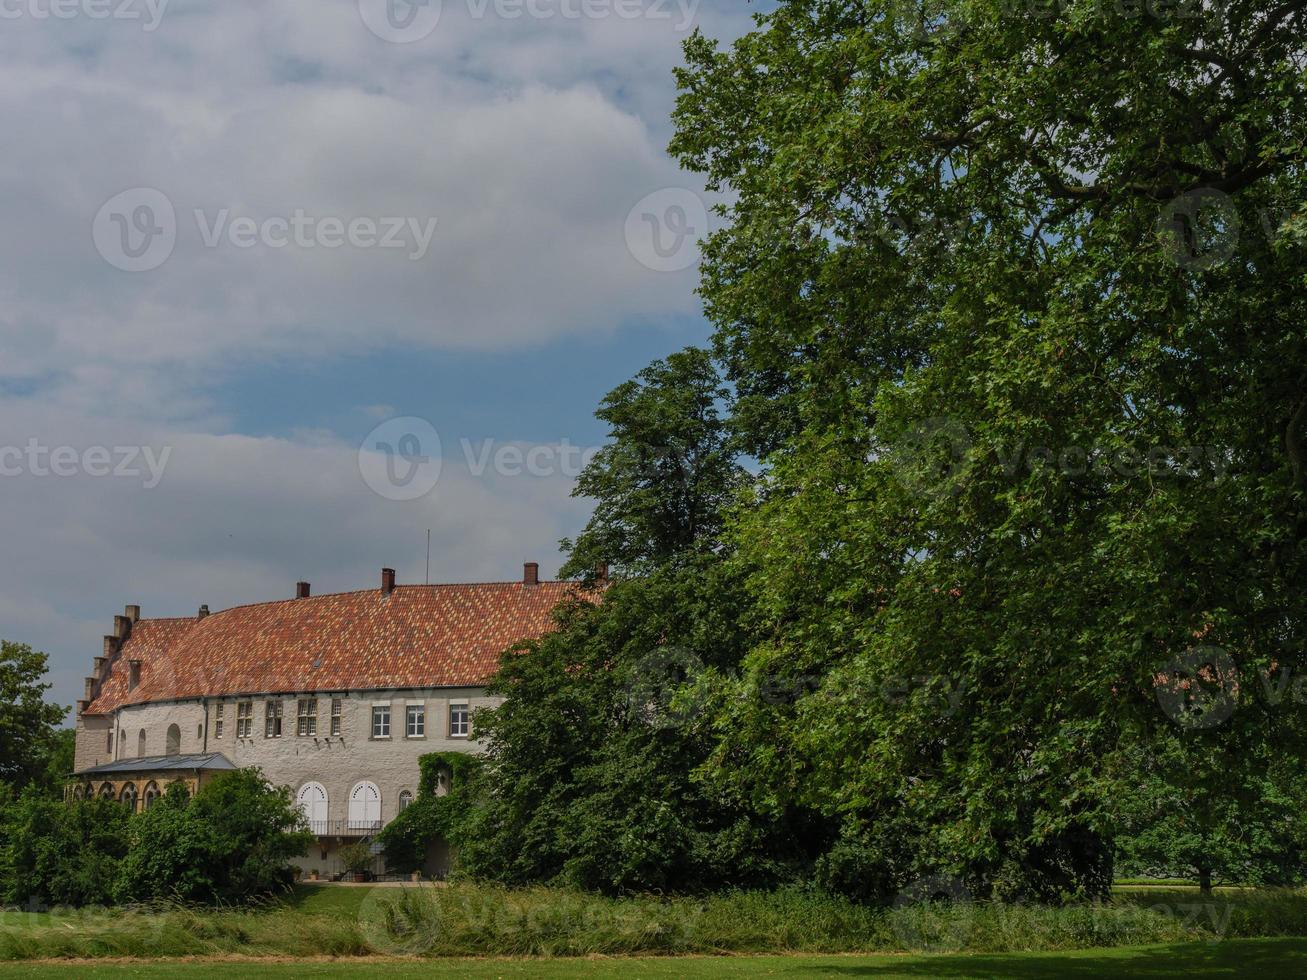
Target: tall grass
474	920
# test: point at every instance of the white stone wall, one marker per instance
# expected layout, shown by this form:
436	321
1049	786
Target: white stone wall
338	762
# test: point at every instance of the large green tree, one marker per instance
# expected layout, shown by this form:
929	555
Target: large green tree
29	743
588	772
1012	300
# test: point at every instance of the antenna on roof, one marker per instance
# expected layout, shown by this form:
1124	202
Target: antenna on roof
427	579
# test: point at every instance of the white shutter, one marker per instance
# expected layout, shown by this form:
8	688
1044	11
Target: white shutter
364	806
312	801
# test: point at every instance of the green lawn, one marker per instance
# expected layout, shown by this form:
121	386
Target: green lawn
1271	957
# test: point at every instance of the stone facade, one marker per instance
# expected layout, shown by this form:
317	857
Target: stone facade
175	692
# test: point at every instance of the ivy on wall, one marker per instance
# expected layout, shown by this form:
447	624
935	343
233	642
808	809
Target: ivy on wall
406	839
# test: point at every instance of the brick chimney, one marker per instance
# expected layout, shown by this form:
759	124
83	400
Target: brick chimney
133	674
301	590
204	611
133	613
387	581
531	573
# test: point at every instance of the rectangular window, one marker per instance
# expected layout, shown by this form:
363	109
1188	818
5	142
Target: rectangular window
381	721
335	716
307	719
217	720
458	719
416	721
245	719
272	720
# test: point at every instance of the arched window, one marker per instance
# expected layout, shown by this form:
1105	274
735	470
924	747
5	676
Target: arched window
140	745
78	792
151	794
405	798
128	796
106	791
365	806
174	743
122	744
312	800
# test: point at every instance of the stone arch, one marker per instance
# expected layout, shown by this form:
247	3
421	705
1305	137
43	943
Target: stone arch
127	796
150	795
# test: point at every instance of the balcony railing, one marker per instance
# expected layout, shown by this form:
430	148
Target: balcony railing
344	828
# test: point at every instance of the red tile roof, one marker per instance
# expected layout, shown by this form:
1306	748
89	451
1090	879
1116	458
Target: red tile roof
418	636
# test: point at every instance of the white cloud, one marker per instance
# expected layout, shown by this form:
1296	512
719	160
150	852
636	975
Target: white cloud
527	140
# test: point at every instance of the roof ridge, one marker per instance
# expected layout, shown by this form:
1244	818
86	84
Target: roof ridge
414	585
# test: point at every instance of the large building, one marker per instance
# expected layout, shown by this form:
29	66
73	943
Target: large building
336	696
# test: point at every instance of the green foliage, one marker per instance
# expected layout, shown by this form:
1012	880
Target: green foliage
663	482
431	817
53	853
29	741
1015	328
356	857
230	843
588	772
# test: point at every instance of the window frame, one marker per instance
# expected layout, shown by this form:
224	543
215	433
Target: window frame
218	719
381	719
245	719
415	713
272	718
466	723
306	718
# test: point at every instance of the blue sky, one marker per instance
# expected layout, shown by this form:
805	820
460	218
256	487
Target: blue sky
246	245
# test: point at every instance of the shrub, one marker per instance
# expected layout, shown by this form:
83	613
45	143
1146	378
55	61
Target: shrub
232	842
56	853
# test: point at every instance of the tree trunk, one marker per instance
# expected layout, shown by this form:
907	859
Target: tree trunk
1205	882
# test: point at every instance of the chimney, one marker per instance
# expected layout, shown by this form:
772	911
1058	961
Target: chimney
133	674
601	573
387	581
301	590
204	611
531	573
122	627
133	613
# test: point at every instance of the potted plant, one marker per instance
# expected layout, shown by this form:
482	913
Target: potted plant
313	874
357	859
296	872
